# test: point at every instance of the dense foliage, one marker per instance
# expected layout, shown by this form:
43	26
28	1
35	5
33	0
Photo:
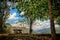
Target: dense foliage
35	9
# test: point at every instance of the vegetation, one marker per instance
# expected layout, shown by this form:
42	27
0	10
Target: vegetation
9	28
34	9
57	11
4	12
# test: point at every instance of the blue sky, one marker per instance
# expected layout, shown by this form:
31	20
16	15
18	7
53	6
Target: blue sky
14	16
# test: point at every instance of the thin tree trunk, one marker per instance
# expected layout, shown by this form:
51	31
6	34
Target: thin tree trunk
13	1
1	18
4	15
53	32
1	27
31	22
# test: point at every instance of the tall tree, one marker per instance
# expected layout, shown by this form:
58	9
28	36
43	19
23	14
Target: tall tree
34	9
53	32
4	11
1	15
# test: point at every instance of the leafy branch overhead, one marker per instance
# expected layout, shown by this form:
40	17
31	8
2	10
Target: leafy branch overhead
35	9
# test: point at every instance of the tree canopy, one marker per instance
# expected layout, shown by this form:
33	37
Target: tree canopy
35	9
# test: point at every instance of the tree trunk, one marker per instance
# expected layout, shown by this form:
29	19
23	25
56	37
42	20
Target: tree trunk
1	18
31	22
53	32
1	26
13	1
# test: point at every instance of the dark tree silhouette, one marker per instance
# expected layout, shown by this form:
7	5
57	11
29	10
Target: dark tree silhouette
4	12
53	32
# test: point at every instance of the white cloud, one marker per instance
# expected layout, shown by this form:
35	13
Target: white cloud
12	16
41	25
9	3
22	13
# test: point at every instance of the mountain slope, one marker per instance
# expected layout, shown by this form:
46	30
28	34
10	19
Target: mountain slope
47	30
